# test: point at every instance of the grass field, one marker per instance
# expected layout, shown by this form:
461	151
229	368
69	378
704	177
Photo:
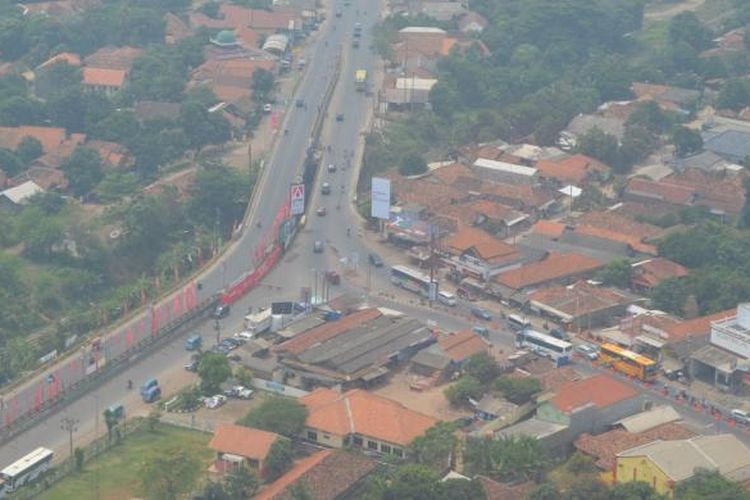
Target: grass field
117	469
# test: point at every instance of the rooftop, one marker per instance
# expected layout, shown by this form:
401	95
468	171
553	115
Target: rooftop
242	441
361	412
679	459
573	169
103	77
555	266
599	390
647	420
21	193
50	137
326	474
649	273
462	345
327	331
484	245
605	447
549	228
501	166
531	427
579	299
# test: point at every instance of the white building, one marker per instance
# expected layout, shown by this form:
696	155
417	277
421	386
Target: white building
509	173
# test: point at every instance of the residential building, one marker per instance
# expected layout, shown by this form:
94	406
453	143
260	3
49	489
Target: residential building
325	475
108	81
51	138
503	172
442	11
474	253
669	98
237	445
363	420
121	58
448	354
648	274
278	20
581	305
356	350
411	93
114	156
13	199
495	490
663	464
732	145
472	22
554	268
577	170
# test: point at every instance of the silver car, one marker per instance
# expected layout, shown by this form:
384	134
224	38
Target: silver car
587	351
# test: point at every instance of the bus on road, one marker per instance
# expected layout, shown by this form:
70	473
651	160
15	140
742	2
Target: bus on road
628	362
25	470
517	322
360	80
545	345
412	280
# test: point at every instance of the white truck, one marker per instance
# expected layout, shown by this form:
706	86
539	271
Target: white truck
259	322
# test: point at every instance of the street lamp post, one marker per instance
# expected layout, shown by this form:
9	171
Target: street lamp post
70	425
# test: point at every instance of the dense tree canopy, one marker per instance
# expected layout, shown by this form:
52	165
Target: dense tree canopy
280	415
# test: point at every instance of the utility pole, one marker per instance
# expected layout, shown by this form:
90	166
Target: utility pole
217	327
70	425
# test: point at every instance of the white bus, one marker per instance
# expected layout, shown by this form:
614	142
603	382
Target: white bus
412	280
544	345
26	469
517	322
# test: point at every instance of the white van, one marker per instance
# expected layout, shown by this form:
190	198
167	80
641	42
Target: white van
446	298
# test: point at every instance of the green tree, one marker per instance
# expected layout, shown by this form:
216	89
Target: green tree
670	295
116	185
545	491
579	463
634	490
686	141
587	487
483	367
686	27
79	456
279	460
467	387
599	145
10	163
649	114
277	414
29	150
203	128
744	220
414	482
412	164
435	446
168	474
518	390
460	489
244	376
213	371
84	170
508	459
262	83
709	484
153	418
41	238
241	482
618	273
218	191
734	94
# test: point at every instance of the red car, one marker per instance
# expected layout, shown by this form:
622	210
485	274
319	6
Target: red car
333	277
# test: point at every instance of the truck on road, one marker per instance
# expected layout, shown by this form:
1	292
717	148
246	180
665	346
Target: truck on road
259	322
360	80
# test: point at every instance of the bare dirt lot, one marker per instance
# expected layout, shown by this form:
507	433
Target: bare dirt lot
430	401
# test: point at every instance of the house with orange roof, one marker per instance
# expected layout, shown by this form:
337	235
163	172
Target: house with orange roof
554	268
647	274
326	474
363	420
113	155
237	445
476	254
108	81
111	57
578	170
445	357
549	228
51	138
590	405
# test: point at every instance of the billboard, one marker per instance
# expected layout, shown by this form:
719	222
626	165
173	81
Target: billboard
381	198
297	197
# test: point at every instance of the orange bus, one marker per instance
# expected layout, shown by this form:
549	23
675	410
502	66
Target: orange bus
628	362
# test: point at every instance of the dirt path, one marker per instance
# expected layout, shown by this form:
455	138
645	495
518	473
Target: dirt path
663	11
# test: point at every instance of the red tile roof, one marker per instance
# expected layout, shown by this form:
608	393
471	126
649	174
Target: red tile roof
648	274
50	137
121	58
484	245
549	228
462	345
697	327
580	299
556	266
495	490
605	447
277	19
102	77
326	475
358	411
327	331
242	441
572	170
600	390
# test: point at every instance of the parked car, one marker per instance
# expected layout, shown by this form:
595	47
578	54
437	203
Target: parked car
741	416
375	260
215	401
221	311
331	167
318	246
587	351
192	366
481	313
232	342
480	330
239	392
321	211
243	336
333	277
325	188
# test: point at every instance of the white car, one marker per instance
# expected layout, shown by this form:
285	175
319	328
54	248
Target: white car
741	416
267	108
215	401
587	351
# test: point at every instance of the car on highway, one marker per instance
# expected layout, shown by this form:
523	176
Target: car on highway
339	117
338	13
587	351
221	311
481	313
740	416
321	211
267	108
375	259
331	167
325	188
318	246
299	103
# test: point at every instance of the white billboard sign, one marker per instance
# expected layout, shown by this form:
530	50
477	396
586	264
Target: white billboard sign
381	198
297	197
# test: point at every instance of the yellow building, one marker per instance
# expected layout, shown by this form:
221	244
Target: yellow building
663	464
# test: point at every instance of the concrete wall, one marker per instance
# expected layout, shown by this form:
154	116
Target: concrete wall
642	469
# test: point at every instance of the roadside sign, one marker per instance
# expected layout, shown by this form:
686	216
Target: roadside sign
297	196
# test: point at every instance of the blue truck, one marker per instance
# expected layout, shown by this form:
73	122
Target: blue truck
150	390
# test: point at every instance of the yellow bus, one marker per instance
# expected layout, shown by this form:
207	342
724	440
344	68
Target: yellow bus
360	79
628	362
